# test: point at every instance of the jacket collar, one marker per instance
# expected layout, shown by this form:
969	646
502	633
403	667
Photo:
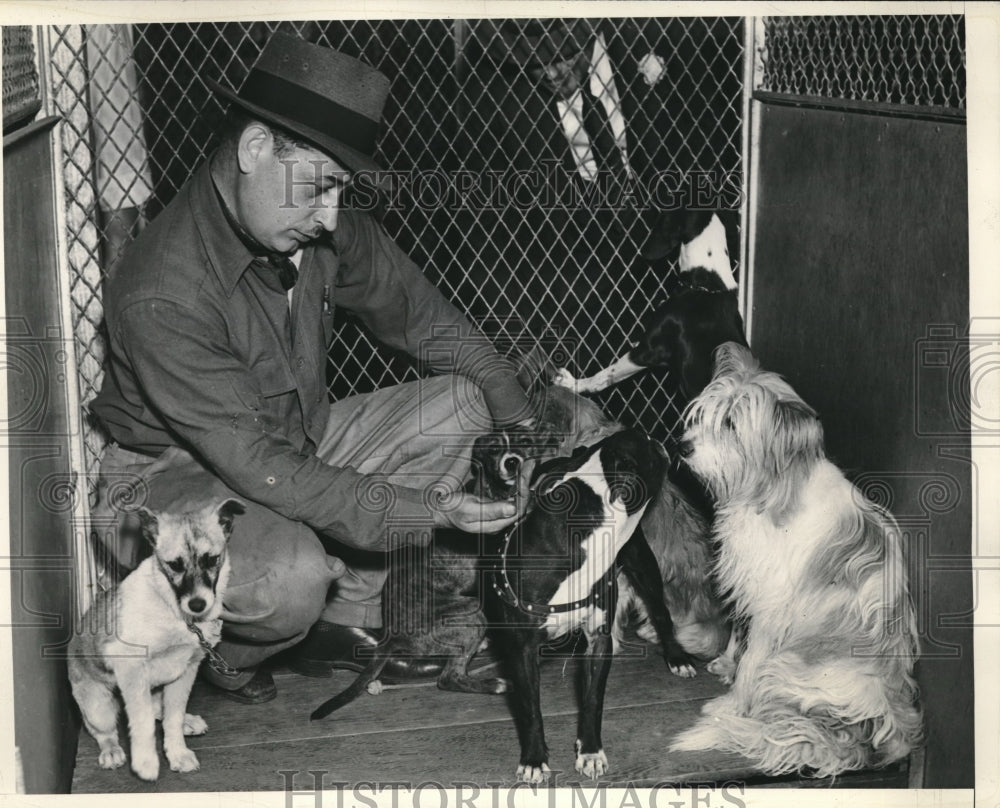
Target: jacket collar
227	255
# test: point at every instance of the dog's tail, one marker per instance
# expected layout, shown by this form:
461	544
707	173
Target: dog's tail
357	687
792	742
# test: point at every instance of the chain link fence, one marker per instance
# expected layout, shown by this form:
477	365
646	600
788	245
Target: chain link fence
891	59
489	192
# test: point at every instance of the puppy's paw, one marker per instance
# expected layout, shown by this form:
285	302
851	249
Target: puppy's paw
538	775
563	378
375	688
183	760
111	758
194	725
591	764
724	667
146	765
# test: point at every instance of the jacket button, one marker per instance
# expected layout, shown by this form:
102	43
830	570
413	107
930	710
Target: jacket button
271	481
299	362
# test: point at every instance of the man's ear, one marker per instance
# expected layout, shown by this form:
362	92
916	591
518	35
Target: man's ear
255	142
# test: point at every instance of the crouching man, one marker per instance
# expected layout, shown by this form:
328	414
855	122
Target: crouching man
219	317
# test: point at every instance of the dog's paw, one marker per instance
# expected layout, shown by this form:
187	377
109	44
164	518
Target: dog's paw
724	667
194	725
501	686
538	775
111	758
680	663
684	670
591	764
720	705
375	688
646	631
146	765
183	760
563	378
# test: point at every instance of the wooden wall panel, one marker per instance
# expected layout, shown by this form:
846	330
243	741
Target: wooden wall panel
36	436
860	299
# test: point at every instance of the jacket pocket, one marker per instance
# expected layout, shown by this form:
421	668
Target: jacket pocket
267	378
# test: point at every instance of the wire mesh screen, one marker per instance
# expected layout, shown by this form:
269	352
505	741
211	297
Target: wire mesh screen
916	60
490	191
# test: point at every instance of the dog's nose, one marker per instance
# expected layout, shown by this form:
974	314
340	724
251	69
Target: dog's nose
197	605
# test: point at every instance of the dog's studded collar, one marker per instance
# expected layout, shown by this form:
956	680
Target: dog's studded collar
684	284
599	593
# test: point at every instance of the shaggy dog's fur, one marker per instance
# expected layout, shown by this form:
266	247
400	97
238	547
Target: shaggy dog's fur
825	682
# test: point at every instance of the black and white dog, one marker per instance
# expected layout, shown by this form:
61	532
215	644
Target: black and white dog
555	573
700	313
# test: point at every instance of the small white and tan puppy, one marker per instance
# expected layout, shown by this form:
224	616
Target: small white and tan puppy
139	639
825	682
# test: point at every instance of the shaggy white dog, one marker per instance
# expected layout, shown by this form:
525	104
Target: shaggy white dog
825	682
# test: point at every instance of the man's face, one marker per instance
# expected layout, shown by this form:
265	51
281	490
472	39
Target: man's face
285	201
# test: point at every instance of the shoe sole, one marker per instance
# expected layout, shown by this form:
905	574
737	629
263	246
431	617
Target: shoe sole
237	695
322	669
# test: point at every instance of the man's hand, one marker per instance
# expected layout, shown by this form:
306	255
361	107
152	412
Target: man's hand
472	514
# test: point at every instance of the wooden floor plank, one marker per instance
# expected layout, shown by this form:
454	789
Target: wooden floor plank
419	734
402	732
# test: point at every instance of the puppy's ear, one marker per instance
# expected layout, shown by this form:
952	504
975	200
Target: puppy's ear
141	523
226	511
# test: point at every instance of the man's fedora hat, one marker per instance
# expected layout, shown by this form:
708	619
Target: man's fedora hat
327	98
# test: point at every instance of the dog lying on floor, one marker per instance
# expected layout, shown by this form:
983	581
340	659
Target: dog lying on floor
147	636
825	682
700	313
556	574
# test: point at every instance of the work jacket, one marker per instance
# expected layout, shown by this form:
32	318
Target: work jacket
202	355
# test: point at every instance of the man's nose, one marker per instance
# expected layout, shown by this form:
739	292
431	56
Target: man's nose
326	217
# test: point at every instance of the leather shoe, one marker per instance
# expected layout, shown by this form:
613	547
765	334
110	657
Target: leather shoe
259	689
328	646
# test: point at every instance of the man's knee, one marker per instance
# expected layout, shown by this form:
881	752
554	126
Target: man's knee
279	583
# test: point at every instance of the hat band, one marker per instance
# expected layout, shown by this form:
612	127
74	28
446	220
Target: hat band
302	105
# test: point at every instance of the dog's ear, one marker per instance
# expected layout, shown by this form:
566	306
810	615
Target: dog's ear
534	367
672	229
798	439
227	511
731	222
625	484
141	523
665	237
732	357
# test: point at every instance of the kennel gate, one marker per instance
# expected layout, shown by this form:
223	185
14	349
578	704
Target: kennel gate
469	101
470	105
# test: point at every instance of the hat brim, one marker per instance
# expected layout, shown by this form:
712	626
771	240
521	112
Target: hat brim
352	159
